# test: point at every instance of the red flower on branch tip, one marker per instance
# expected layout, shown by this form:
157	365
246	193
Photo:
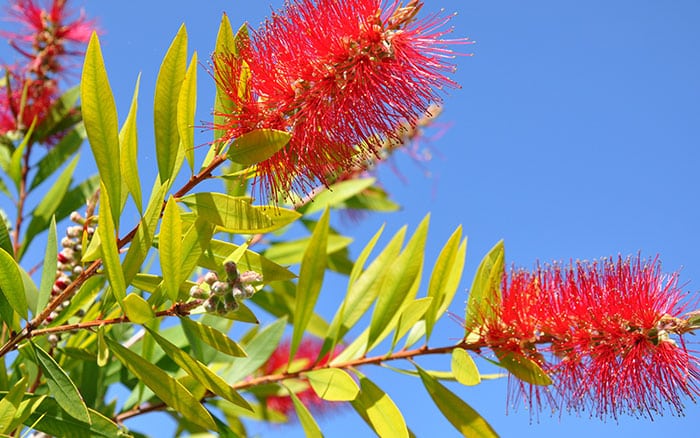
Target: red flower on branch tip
341	77
46	37
306	356
609	333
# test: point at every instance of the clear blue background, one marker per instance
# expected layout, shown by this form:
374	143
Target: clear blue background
575	136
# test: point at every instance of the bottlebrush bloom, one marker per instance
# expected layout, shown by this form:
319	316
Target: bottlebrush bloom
306	355
341	77
47	36
608	333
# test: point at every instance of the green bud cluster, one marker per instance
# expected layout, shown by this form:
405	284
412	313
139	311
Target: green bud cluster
224	295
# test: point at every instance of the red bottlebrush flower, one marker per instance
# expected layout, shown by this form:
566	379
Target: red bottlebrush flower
306	355
341	77
608	333
47	36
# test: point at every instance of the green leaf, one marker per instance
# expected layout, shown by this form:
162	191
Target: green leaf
410	315
199	371
311	429
311	272
14	171
102	349
137	309
168	85
213	337
256	146
194	244
5	239
169	390
333	384
11	284
51	418
373	199
523	368
462	416
10	404
110	252
219	250
100	118
128	140
379	411
48	271
397	283
225	44
464	368
237	215
56	156
445	278
485	294
60	117
259	350
61	387
292	251
52	200
170	248
186	107
336	194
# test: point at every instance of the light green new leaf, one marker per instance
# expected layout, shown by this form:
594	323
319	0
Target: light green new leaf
379	411
333	384
61	387
102	349
259	350
252	261
110	252
462	416
410	315
170	248
137	309
186	107
10	404
445	278
256	146
194	244
14	170
11	284
237	215
169	390
100	119
199	371
464	369
56	156
337	194
397	283
292	251
225	45
311	429
523	368
170	77
311	272
128	140
485	294
213	337
48	271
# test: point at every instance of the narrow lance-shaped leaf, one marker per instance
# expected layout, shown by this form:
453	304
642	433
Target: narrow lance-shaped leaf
313	267
225	44
213	337
61	386
170	77
379	411
463	368
409	316
485	294
445	278
14	170
100	119
311	429
169	390
398	282
462	416
56	156
170	248
256	146
186	107
128	140
110	252
11	284
333	384
199	371
10	404
523	368
337	194
5	240
259	350
48	270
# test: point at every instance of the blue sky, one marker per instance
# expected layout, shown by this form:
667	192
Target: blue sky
576	135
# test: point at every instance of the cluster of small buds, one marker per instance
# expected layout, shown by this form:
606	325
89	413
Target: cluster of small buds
68	263
222	296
